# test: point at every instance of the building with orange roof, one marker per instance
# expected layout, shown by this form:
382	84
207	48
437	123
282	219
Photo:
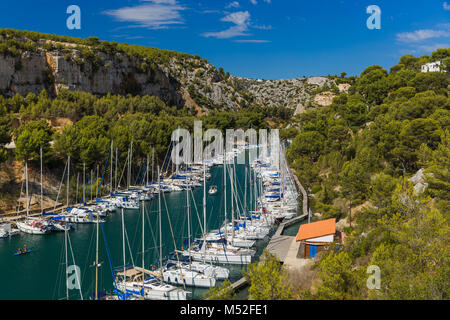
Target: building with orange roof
315	237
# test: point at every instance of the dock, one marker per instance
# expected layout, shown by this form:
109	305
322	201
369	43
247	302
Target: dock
238	284
283	247
279	244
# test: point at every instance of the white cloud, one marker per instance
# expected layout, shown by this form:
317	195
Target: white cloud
253	41
432	47
233	4
241	18
172	2
255	2
156	14
241	21
446	6
263	27
421	35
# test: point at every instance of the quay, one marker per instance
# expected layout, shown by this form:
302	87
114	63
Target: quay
282	246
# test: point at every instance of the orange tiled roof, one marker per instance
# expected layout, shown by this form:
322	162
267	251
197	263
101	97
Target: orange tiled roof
316	229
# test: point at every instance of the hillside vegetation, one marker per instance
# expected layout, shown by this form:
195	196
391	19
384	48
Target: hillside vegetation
82	125
363	151
32	62
376	158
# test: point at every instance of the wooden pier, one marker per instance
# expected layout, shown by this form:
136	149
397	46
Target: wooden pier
238	284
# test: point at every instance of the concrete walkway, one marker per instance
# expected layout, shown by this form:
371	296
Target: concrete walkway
291	261
279	246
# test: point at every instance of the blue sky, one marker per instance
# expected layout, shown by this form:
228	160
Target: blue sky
269	39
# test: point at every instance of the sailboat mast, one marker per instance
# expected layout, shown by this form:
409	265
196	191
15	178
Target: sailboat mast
232	203
189	223
204	208
67	260
255	191
131	157
160	229
68	180
282	182
117	160
245	192
153	161
84	182
123	249
91	181
76	195
250	191
225	188
42	192
112	142
147	169
96	261
26	185
97	188
143	247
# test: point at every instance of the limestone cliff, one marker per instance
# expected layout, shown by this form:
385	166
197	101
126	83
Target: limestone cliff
31	62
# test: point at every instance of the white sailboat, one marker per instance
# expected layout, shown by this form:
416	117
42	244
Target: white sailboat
145	283
182	274
32	225
223	253
212	190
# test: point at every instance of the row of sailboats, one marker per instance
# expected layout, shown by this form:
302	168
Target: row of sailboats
196	266
140	282
214	249
231	244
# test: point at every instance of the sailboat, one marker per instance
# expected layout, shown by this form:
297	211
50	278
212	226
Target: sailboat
58	222
183	274
212	190
32	225
219	273
217	252
145	283
236	234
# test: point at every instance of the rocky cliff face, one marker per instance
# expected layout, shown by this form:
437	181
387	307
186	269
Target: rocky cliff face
189	81
53	70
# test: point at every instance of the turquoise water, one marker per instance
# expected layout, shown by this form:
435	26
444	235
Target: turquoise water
292	229
41	274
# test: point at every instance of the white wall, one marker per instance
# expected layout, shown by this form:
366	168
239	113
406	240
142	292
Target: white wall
325	239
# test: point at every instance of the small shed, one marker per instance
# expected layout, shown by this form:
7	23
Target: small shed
315	237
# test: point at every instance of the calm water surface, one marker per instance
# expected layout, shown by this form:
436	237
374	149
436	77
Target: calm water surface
41	274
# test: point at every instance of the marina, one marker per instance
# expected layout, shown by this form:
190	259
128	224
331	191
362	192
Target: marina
185	213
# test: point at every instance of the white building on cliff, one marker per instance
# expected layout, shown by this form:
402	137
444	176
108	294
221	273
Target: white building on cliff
432	67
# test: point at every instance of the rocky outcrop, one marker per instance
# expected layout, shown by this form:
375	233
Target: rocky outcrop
183	81
324	98
52	70
419	181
